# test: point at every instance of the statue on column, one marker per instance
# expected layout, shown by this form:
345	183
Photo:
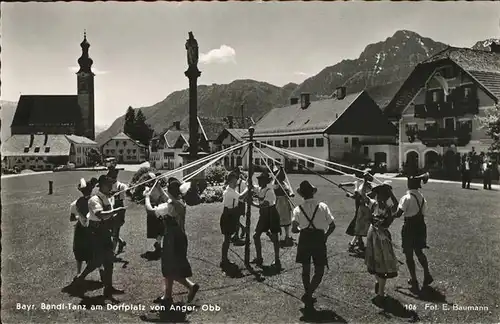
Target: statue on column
192	50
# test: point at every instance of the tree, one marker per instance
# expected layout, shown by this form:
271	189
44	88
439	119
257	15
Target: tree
94	157
491	122
143	132
129	127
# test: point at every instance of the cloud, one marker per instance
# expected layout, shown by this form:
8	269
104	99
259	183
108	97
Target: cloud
223	54
96	71
301	73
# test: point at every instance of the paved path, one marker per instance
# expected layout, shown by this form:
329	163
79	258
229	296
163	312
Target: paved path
392	176
5	176
135	167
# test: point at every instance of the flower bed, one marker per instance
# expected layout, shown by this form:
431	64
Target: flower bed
212	194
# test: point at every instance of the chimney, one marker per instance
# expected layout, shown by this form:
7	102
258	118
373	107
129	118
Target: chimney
230	121
294	101
32	139
340	92
177	125
494	47
45	140
304	100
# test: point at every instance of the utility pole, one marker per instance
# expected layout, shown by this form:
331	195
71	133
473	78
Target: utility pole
251	131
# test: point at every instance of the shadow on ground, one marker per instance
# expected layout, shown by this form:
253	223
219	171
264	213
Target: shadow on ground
88	285
313	315
151	256
428	294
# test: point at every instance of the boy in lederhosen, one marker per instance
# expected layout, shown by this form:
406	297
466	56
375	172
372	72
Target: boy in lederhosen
358	228
414	232
269	220
230	216
101	213
79	210
118	193
315	223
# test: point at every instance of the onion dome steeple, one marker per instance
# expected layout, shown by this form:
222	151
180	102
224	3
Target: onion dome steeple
85	61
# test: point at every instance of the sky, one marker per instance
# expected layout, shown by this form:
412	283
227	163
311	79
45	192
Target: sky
140	58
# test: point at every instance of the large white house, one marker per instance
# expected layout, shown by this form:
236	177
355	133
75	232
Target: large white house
343	129
437	106
124	149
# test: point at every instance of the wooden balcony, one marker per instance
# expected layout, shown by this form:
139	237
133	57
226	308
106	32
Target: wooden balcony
444	137
457	104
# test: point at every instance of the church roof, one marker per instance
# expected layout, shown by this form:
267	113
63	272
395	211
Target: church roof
47	110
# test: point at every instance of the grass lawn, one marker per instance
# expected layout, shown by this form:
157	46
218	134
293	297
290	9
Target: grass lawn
37	262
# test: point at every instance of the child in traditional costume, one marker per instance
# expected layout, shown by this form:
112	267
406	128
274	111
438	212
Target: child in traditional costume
283	191
358	228
269	219
101	213
380	258
412	207
79	210
315	223
154	226
230	216
174	262
118	192
241	186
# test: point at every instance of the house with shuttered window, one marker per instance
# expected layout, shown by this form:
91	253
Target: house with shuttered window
331	129
437	105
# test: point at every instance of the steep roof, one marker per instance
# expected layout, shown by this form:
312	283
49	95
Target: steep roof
47	110
123	137
237	133
213	126
314	119
172	136
482	66
58	145
80	139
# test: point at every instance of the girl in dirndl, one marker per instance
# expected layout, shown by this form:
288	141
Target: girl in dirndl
380	258
358	228
175	265
282	191
79	212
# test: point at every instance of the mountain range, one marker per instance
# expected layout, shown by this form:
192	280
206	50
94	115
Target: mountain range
380	69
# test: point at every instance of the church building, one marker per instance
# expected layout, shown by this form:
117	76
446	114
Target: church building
60	114
50	130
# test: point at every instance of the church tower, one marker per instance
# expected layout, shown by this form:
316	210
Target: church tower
85	78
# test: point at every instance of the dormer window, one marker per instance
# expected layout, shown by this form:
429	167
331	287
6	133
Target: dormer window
37	149
26	149
307	121
47	149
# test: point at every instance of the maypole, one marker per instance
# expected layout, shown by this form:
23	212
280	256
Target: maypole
251	131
